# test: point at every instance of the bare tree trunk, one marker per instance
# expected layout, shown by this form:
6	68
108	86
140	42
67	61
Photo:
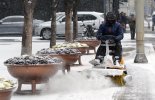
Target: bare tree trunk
75	19
68	13
28	27
53	23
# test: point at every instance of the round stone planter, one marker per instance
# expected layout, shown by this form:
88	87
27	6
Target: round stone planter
32	74
6	94
68	59
91	43
82	49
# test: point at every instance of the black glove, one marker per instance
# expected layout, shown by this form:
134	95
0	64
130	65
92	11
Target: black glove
113	37
108	37
103	38
117	38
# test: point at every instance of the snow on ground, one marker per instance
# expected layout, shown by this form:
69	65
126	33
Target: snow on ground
142	86
76	85
73	86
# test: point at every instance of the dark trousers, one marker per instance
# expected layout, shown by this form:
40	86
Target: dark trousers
117	51
132	31
153	26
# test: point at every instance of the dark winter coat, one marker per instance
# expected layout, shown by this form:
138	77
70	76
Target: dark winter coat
116	31
132	22
123	19
153	18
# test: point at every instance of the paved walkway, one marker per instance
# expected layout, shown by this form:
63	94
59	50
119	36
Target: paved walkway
142	86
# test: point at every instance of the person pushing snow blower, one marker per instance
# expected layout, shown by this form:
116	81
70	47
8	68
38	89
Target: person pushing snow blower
109	53
112	31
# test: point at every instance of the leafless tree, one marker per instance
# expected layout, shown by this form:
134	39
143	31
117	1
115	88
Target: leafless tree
75	18
68	12
28	27
53	23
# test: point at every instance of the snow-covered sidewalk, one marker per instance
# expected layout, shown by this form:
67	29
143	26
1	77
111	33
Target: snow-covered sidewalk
76	85
72	86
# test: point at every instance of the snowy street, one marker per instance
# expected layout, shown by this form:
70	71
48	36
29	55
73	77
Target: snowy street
76	86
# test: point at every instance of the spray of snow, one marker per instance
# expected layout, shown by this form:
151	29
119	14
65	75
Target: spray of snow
79	81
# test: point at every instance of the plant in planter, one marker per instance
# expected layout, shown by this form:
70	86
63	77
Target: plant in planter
6	89
91	42
68	55
32	69
82	47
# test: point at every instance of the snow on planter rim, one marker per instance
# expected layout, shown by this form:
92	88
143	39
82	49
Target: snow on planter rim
58	51
6	85
32	60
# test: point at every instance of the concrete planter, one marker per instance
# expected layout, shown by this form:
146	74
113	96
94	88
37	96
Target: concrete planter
92	43
68	59
32	74
6	94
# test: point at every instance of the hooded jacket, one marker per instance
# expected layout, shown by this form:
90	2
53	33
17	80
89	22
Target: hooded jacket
115	30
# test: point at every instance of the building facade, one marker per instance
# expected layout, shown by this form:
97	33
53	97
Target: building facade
149	7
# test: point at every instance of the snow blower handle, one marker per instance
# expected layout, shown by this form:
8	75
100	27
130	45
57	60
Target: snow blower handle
110	40
107	47
107	37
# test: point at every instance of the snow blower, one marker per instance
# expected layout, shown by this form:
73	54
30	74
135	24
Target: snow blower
112	66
